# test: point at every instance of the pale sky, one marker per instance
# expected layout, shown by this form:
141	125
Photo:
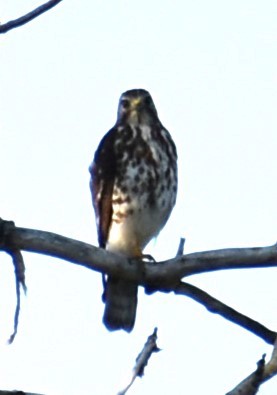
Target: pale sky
211	68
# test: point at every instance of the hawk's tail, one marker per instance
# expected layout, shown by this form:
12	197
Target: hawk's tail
120	297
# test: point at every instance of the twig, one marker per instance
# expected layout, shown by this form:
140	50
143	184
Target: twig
180	250
19	271
28	17
216	306
142	359
6	230
17	393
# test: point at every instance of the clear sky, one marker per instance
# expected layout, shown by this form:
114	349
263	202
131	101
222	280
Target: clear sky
211	67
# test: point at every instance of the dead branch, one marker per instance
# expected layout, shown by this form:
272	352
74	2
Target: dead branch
163	273
158	276
264	372
224	259
28	17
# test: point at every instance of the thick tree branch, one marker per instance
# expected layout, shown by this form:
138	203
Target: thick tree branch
159	276
231	258
28	17
71	250
160	273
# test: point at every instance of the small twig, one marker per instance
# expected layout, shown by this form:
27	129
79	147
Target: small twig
19	270
28	17
180	250
216	306
6	231
142	359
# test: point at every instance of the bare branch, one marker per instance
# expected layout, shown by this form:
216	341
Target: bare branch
216	306
164	273
162	276
28	17
78	252
231	258
142	359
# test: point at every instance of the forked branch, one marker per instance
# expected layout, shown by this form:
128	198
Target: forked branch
163	273
159	276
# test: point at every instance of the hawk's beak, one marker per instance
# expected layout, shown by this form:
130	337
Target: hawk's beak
135	103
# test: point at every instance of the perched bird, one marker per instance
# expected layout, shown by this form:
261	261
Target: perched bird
134	186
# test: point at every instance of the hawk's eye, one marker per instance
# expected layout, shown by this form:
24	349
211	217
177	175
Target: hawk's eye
125	104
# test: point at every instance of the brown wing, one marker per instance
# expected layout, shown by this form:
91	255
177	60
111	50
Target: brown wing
103	171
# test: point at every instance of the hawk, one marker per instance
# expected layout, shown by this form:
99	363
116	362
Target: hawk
133	186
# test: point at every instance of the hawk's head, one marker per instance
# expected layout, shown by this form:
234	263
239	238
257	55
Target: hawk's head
136	106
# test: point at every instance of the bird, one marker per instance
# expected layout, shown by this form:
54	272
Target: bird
134	187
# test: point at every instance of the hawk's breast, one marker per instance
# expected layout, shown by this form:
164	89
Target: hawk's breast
145	187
